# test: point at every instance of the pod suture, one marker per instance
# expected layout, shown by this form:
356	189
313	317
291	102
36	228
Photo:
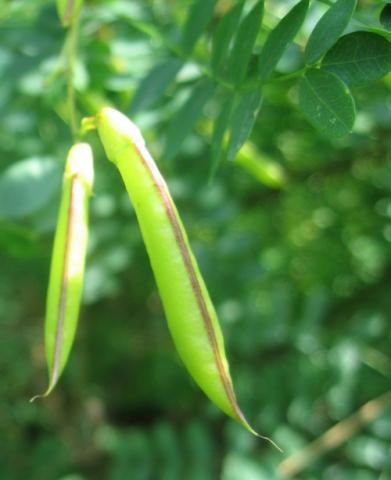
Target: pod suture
189	310
68	10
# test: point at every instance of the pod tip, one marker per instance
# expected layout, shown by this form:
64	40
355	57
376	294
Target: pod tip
80	163
48	391
119	125
269	440
40	395
245	423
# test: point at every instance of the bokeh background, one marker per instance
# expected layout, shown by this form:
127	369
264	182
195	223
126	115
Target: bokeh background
295	249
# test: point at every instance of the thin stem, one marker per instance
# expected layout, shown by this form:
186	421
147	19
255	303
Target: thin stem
253	83
288	76
377	360
205	69
71	54
177	51
335	436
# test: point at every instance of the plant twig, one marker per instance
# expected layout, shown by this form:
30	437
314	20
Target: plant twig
377	360
251	84
71	55
335	436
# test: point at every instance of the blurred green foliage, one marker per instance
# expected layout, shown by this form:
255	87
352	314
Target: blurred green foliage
294	241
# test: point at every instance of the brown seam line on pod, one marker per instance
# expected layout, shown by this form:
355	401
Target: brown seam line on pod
68	10
162	190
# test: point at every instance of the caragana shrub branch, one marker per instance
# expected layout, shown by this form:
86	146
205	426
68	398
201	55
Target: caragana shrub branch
190	313
69	13
343	60
238	69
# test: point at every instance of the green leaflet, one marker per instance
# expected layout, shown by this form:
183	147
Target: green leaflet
328	29
243	44
186	117
200	13
242	120
151	88
68	10
385	17
222	38
279	38
327	103
68	259
359	58
190	313
221	125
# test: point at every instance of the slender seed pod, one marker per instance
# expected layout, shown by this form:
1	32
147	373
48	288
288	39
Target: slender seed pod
68	10
190	313
68	260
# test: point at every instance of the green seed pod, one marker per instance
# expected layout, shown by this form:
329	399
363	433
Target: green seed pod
68	10
190	313
68	260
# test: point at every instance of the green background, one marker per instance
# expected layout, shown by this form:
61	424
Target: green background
300	274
